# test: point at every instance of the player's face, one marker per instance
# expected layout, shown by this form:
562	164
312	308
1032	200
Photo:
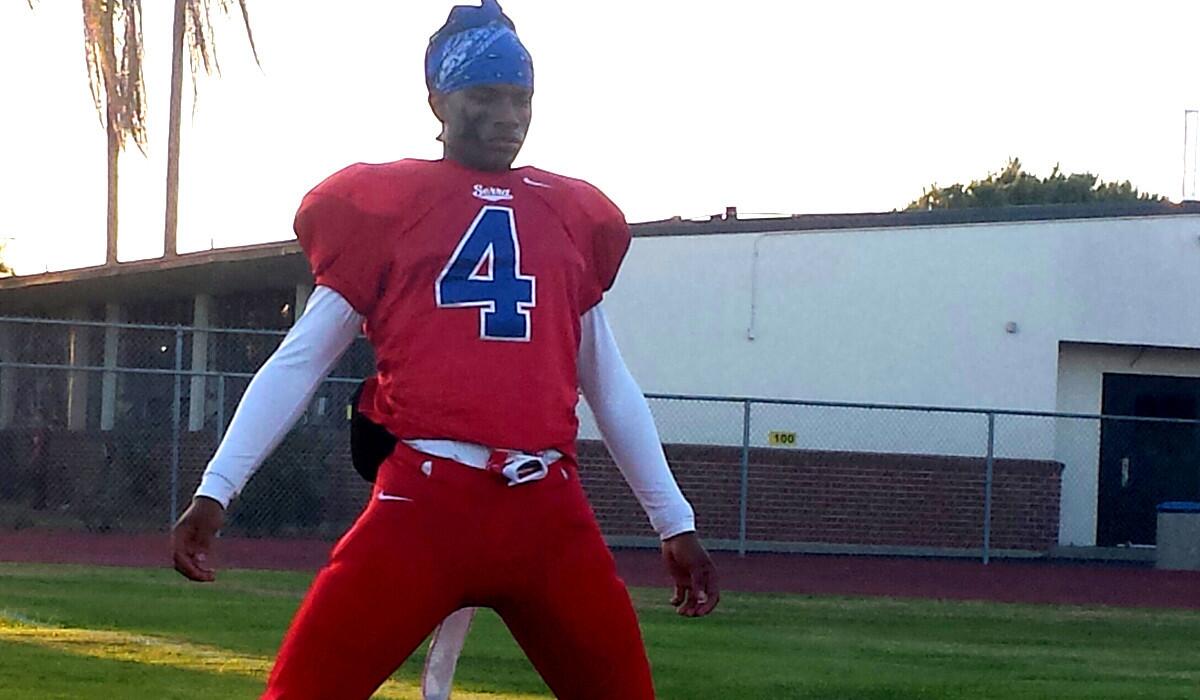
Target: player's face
484	125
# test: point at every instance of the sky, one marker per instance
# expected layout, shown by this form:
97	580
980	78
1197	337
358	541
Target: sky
671	107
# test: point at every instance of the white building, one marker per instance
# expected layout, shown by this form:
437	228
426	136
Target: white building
1034	309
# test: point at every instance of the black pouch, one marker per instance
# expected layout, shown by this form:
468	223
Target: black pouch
370	442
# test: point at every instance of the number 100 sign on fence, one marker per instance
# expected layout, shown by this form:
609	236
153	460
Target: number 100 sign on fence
779	437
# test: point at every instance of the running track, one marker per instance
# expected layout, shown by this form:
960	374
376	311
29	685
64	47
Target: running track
1006	581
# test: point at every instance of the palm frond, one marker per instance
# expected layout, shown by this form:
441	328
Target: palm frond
202	48
94	14
249	31
133	87
112	39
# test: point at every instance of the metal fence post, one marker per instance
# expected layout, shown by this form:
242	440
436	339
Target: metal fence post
987	488
745	496
175	419
220	407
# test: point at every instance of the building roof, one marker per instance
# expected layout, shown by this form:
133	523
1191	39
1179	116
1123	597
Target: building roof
730	223
282	265
263	266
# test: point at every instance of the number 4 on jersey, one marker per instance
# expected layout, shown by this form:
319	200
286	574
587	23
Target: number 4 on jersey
485	272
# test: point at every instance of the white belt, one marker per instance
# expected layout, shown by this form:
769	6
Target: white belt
517	467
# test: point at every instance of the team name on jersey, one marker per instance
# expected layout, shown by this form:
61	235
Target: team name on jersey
492	194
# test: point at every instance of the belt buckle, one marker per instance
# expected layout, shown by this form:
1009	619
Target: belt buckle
517	467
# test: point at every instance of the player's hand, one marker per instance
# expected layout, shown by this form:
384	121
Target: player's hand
192	538
695	575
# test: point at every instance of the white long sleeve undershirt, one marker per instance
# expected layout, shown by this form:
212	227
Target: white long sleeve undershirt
628	429
284	385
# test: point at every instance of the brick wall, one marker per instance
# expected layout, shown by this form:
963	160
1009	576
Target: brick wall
845	497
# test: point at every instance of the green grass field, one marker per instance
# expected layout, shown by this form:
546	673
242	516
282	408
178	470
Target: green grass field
75	632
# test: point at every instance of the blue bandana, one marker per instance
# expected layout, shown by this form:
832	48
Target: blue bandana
477	46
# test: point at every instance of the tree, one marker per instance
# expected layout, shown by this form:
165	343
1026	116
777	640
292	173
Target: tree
5	269
112	44
112	47
193	27
1014	186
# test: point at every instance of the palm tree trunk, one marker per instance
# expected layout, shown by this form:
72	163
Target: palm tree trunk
114	153
171	231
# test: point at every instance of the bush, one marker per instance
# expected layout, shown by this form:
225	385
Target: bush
287	495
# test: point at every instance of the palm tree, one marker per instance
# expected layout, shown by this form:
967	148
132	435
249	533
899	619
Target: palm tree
193	27
112	33
112	45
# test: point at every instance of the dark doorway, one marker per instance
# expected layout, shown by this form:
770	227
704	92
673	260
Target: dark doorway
1145	463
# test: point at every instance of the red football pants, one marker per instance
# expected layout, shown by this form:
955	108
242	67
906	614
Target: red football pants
427	545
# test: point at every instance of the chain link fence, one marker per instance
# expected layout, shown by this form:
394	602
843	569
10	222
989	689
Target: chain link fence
108	428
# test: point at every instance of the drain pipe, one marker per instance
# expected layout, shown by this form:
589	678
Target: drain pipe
750	330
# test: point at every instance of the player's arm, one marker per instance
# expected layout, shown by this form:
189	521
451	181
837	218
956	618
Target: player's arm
628	430
275	399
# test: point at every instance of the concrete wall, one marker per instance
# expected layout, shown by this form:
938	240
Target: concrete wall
903	315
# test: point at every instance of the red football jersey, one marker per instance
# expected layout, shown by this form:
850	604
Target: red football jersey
472	284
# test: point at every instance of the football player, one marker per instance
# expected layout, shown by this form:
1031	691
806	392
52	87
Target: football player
480	288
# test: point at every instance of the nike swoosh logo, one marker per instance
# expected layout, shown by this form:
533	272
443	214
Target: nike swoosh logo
389	497
534	183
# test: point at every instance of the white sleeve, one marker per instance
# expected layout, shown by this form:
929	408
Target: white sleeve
280	392
627	428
